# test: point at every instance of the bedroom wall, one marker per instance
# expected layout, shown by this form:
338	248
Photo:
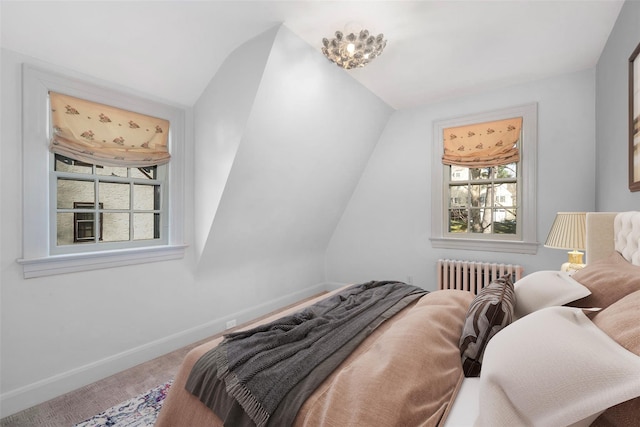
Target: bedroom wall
263	229
384	233
612	138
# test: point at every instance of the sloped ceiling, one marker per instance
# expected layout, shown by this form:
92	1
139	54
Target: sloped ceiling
308	133
436	49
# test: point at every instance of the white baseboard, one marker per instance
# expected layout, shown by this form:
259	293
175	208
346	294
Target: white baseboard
332	286
40	391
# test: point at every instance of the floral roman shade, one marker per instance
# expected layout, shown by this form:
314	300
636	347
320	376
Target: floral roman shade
482	144
104	135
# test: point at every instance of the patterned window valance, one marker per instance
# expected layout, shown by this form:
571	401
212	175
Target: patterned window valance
482	144
103	135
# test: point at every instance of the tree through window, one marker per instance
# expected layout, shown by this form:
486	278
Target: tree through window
483	200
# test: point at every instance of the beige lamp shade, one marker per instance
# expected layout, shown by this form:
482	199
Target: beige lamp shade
569	232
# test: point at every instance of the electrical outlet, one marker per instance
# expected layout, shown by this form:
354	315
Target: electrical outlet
231	323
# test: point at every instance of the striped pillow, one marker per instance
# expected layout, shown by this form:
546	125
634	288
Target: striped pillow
491	310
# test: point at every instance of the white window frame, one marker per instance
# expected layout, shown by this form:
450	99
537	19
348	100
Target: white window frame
38	258
527	212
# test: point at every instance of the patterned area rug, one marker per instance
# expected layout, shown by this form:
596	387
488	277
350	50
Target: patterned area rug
141	411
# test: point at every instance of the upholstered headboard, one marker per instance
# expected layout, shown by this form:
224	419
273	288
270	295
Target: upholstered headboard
626	228
609	231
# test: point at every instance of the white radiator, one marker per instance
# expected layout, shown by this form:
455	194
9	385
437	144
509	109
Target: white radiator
473	276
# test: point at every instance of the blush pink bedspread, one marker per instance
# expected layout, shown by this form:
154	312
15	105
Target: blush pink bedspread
405	373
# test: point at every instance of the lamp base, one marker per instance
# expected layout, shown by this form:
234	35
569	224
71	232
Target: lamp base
571	268
575	262
575	257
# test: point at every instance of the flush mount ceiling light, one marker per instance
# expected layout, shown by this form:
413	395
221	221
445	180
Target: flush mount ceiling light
353	51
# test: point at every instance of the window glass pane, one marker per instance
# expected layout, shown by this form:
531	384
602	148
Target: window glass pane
64	228
478	195
505	195
150	172
65	164
504	221
71	191
114	195
111	171
480	221
146	226
459	173
458	220
480	173
458	196
506	171
144	197
156	198
115	227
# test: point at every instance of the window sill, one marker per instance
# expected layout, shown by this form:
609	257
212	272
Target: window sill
520	247
62	264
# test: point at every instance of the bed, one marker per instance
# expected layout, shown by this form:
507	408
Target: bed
450	358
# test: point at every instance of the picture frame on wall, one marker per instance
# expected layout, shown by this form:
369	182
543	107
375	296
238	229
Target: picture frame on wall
634	120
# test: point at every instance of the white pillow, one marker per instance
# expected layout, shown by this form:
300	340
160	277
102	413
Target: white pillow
546	289
554	368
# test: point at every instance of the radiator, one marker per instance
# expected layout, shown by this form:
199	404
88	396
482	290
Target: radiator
473	276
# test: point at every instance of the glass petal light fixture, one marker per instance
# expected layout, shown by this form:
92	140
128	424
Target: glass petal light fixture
353	51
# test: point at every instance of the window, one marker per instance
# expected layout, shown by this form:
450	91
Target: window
96	215
487	207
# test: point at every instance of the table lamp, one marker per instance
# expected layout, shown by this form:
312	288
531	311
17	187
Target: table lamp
569	232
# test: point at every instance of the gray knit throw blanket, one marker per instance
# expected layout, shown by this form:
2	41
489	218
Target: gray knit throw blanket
260	366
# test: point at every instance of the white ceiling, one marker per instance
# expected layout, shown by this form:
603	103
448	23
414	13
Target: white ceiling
436	49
